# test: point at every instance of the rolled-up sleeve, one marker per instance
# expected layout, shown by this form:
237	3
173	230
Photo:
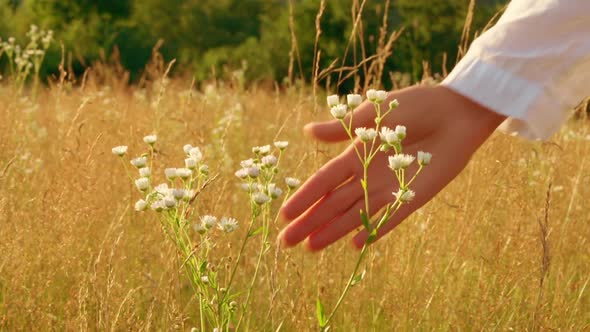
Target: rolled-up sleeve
533	66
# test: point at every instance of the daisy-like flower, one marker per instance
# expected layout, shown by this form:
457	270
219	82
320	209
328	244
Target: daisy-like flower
247	163
269	160
354	100
142	184
120	150
372	95
274	191
178	193
204	169
199	228
162	189
187	148
150	139
208	221
292	183
196	154
158	205
339	111
145	172
388	136
261	198
380	96
400	161
140	205
365	134
242	173
188	195
139	162
205	279
247	187
169	202
393	104
333	100
253	171
264	150
170	173
424	158
281	145
404	196
228	225
184	173
190	163
400	131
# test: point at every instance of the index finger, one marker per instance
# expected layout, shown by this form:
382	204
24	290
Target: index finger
326	179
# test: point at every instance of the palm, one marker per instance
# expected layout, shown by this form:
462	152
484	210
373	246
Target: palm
327	206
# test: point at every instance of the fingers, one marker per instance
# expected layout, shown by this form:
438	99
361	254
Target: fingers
330	206
326	179
333	131
345	223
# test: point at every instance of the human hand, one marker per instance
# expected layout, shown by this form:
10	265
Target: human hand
439	121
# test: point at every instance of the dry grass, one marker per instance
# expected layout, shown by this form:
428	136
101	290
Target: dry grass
75	256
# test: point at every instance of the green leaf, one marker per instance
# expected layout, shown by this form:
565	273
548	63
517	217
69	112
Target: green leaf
256	231
320	313
203	267
372	236
358	278
365	220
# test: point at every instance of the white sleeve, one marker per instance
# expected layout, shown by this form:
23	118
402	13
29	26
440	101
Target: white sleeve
533	66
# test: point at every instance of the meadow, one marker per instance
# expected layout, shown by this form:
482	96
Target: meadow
503	247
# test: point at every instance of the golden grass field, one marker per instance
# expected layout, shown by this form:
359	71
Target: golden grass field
505	247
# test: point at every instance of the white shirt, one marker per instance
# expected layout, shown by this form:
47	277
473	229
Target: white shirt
533	66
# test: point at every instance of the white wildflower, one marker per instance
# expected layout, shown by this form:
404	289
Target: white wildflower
281	145
333	100
228	225
205	279
404	196
274	191
400	161
242	173
339	111
365	134
158	205
253	171
196	154
208	221
388	136
140	205
184	173
178	193
187	148
292	183
199	228
169	202
424	158
261	198
247	187
139	162
145	172
170	173
354	100
204	169
150	139
188	195
400	131
393	104
142	184
264	150
269	160
120	150
162	189
380	96
247	163
190	163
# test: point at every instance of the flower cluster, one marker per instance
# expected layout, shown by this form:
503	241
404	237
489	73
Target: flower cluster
23	60
174	196
258	174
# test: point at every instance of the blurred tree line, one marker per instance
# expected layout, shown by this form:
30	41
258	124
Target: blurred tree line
214	36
